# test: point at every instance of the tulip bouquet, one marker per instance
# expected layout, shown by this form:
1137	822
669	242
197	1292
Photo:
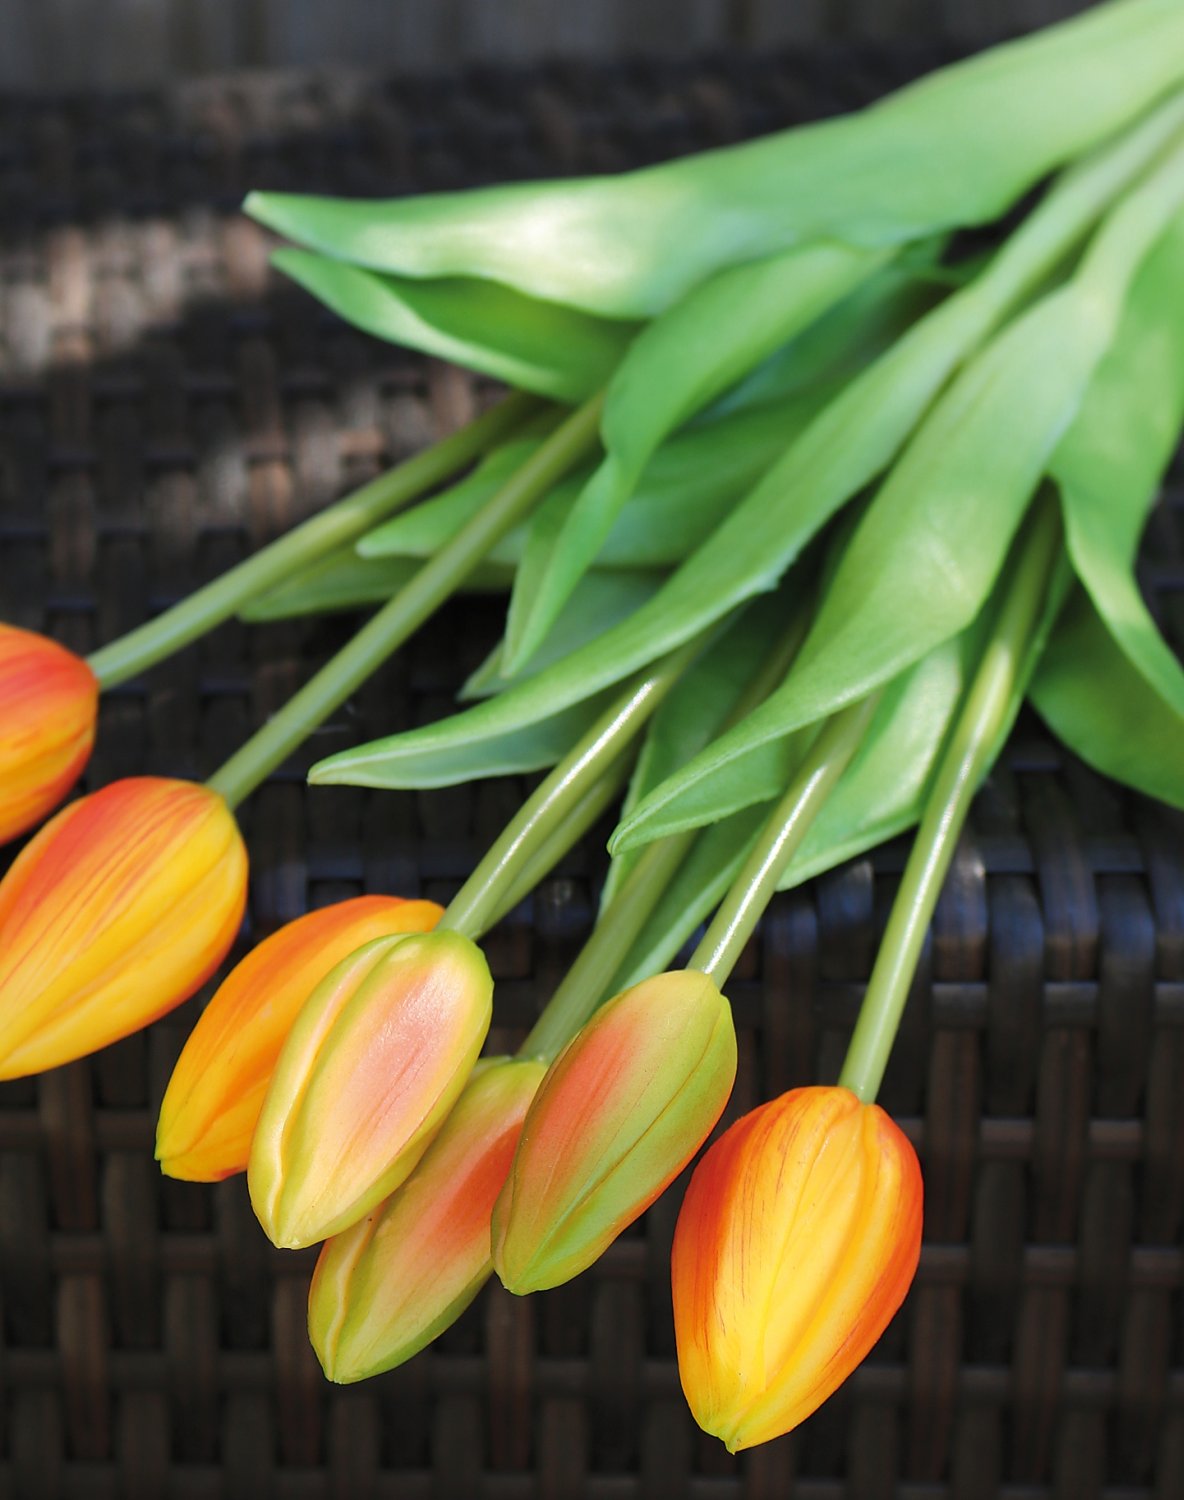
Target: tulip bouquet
800	492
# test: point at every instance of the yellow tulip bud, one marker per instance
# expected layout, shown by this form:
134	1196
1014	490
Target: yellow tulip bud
213	1100
116	911
374	1062
796	1244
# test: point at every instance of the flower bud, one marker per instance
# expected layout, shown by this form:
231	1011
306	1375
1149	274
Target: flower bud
388	1286
115	912
375	1060
620	1113
216	1092
49	700
796	1244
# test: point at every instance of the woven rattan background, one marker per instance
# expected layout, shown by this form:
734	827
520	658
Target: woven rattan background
164	406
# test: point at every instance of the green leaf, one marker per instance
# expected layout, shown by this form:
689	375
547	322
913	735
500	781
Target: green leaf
687	486
900	744
537	346
927	551
1111	462
533	747
847	337
885	788
1110	686
423	529
677	364
841	451
956	148
344	581
699	704
1096	701
602	599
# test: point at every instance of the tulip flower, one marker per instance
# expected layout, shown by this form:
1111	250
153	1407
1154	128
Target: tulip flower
620	1113
375	1060
49	700
796	1244
387	1287
115	912
216	1092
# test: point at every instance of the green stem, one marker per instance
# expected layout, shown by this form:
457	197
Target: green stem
755	886
564	836
963	764
583	986
580	991
334	527
410	607
474	905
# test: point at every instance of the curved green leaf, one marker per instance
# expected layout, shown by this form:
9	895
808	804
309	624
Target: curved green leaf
1105	710
424	528
926	554
842	450
674	368
884	790
956	148
687	486
531	747
847	337
603	598
544	347
700	703
900	746
1111	461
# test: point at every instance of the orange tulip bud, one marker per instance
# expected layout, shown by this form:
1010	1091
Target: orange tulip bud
796	1244
216	1092
118	909
49	700
387	1287
622	1110
375	1060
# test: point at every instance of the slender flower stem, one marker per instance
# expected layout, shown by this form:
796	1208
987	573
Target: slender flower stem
583	986
741	909
334	527
410	607
480	898
564	836
959	772
580	991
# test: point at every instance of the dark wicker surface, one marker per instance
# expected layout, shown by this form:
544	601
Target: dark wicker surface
163	408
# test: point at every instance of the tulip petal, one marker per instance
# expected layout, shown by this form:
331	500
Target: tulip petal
796	1243
119	908
375	1060
214	1096
48	705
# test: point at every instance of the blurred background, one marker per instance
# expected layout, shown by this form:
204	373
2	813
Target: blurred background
102	44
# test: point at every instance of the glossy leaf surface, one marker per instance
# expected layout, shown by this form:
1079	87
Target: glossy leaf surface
956	148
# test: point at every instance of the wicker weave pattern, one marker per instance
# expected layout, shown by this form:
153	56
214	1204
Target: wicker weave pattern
164	407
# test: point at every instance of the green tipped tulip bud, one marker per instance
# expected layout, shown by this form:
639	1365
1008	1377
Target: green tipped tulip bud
620	1113
385	1288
